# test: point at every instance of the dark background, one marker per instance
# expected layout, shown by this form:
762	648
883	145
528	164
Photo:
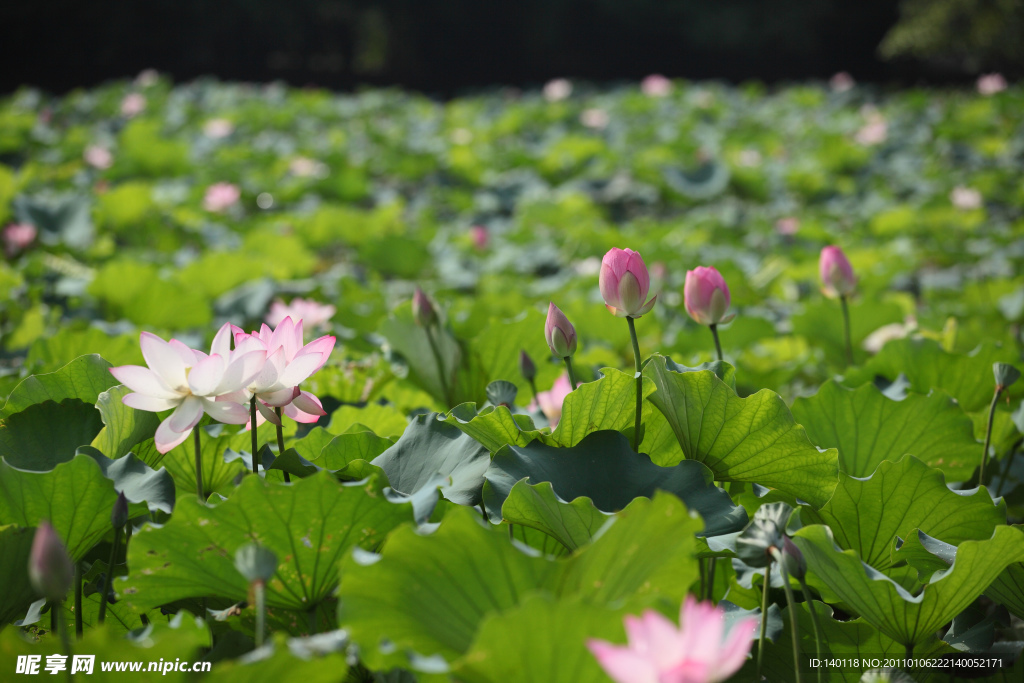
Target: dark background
445	47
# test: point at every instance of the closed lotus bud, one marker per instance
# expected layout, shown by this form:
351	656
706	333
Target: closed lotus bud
422	310
1005	375
706	296
49	566
625	283
559	333
255	563
526	366
119	515
793	560
837	278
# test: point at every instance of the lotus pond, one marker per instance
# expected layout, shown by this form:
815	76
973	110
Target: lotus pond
437	502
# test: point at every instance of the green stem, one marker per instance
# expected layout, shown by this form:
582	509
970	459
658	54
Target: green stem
1006	466
639	383
814	620
261	611
713	562
127	537
988	435
255	438
78	600
572	375
440	368
794	625
910	651
108	579
718	345
65	638
312	620
53	615
199	464
702	566
533	388
766	588
280	439
846	331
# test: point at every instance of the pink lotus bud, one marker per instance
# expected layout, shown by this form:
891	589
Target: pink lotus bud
706	296
837	276
624	283
480	237
119	515
656	85
49	566
17	237
559	333
422	310
526	366
220	197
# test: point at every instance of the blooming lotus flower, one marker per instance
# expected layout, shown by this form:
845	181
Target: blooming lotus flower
220	197
17	237
288	364
990	84
837	276
700	651
559	333
50	569
550	402
133	105
98	157
656	85
706	296
190	382
308	311
965	198
625	283
557	90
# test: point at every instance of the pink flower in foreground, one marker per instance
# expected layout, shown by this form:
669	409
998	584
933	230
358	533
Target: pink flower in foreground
656	85
98	157
220	197
189	382
700	651
625	283
841	82
17	237
557	90
550	402
305	311
837	278
965	198
706	296
133	104
990	84
288	364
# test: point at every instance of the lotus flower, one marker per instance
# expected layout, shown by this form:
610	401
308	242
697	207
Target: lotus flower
965	198
17	237
624	283
559	333
190	382
837	276
595	118
309	312
98	157
423	312
990	84
841	82
218	128
220	197
50	569
480	237
700	651
288	364
656	85
133	105
875	131
706	296
557	90
304	167
550	402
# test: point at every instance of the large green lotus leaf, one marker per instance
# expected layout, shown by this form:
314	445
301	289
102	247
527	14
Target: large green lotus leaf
537	506
605	469
50	353
75	497
15	546
922	552
384	420
43	435
494	426
121	616
909	619
1008	589
429	447
753	439
84	378
540	640
345	448
499	344
136	480
866	427
965	377
310	446
866	514
607	403
286	659
125	427
180	638
822	322
309	524
219	474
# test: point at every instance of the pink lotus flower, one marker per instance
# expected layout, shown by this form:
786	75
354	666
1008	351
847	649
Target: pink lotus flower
133	104
50	570
594	118
559	333
288	364
423	311
302	310
787	226
98	157
656	85
841	82
550	402
990	84
557	90
700	651
218	128
17	237
965	198
304	167
480	237
625	283
837	278
706	296
220	197
147	78
875	131
190	382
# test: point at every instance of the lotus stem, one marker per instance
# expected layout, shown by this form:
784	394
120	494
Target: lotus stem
712	563
280	440
78	600
718	345
199	464
639	383
794	625
764	617
109	578
260	591
814	620
846	330
255	438
65	638
572	375
988	434
533	388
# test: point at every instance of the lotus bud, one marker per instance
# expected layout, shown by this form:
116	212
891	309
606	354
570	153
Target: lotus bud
119	515
256	563
480	237
1005	375
422	310
793	560
559	333
625	283
706	296
837	278
526	366
50	568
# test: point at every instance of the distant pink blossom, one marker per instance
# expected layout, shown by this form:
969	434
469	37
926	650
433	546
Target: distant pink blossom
594	118
557	90
220	197
656	85
480	237
218	128
17	237
787	225
841	82
990	84
311	313
133	104
304	167
965	198
98	157
550	402
147	78
875	130
700	650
